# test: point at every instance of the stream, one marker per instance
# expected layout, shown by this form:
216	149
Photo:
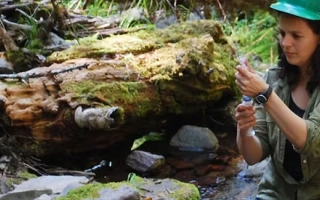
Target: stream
230	184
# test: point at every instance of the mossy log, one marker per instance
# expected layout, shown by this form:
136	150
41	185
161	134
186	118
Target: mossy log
130	79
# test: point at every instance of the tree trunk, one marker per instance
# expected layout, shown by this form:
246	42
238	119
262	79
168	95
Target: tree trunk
99	92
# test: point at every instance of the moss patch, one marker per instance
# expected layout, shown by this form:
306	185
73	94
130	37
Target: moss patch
89	191
134	95
22	175
138	42
180	190
178	67
187	191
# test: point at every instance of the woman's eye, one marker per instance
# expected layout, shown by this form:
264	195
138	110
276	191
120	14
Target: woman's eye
282	33
296	36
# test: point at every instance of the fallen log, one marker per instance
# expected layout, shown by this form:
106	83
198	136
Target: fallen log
97	93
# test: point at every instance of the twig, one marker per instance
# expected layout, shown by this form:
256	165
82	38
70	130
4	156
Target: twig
25	14
73	172
11	7
173	9
223	13
16	26
33	168
25	76
217	122
38	6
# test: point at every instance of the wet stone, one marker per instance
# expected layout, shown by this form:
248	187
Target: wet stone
179	164
202	170
165	171
217	167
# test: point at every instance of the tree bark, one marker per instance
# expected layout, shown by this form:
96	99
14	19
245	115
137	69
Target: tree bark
96	94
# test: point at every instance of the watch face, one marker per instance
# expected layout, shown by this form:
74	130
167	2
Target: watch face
261	99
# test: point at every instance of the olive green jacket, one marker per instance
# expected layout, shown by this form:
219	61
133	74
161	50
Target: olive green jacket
276	182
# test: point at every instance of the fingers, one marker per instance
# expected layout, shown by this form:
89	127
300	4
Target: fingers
244	112
240	86
244	71
245	116
249	66
246	125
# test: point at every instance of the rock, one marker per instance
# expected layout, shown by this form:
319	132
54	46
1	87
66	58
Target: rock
44	197
69	187
211	179
144	162
179	164
135	188
5	67
25	195
165	172
55	183
202	170
185	175
223	159
166	189
195	137
121	193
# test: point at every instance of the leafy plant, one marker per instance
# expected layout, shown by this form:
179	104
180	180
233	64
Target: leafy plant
255	37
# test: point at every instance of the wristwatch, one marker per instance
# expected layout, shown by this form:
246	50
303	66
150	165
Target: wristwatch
263	97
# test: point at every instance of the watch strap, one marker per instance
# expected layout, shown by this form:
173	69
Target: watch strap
268	92
265	96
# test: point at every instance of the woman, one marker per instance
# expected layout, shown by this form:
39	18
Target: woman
286	115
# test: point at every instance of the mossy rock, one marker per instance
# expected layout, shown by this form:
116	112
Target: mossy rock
169	189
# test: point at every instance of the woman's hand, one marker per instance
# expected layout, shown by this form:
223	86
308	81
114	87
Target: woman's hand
245	117
249	82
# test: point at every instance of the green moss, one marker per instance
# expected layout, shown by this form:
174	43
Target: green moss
87	191
91	191
22	175
189	62
67	115
182	194
134	95
32	147
138	42
26	175
93	48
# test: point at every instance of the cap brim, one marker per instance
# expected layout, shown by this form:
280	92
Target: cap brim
295	10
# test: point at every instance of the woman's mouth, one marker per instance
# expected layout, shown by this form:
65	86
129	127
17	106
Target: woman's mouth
289	54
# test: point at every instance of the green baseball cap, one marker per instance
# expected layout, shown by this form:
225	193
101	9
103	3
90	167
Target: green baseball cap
307	9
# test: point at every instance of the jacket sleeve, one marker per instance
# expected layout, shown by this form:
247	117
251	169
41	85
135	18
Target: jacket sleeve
312	145
261	128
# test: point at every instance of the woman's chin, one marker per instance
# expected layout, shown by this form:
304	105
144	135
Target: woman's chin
292	61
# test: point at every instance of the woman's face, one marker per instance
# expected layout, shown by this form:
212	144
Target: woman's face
297	40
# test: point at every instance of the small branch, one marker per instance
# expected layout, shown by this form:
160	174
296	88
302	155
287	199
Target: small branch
25	14
174	10
73	172
16	26
12	7
223	13
7	41
25	76
217	122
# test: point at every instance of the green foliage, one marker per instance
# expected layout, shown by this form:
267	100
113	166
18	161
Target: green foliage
96	8
87	191
33	43
255	36
101	8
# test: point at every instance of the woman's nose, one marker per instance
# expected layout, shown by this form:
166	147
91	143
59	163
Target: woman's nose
286	41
